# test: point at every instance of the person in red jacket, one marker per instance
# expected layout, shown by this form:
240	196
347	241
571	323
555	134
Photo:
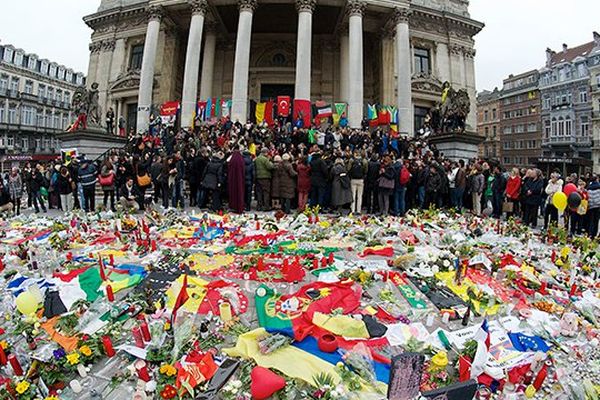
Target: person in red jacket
513	189
303	170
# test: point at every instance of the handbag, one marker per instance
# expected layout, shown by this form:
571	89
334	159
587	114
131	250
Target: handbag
385	183
508	206
107	180
144	180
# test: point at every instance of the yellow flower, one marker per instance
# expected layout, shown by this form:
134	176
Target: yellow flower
85	350
4	344
167	369
22	387
73	358
564	253
52	398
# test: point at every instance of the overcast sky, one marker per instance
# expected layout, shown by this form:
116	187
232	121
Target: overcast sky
514	39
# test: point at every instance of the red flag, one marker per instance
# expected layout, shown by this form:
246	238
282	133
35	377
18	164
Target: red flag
302	110
283	105
182	297
269	113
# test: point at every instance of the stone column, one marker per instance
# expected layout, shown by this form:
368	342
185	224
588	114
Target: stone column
442	61
387	87
239	96
344	63
355	64
192	63
469	55
404	60
155	14
303	48
208	62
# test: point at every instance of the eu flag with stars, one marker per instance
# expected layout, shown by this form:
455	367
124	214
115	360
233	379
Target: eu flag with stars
527	343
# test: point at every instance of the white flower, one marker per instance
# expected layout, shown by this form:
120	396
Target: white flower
435	269
446	263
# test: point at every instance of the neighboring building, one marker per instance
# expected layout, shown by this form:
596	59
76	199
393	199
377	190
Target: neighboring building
566	110
144	53
35	104
594	67
488	124
520	126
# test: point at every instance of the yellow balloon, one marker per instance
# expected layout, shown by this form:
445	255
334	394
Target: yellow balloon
26	303
560	201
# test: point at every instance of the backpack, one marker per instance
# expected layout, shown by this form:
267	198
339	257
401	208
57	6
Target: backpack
404	176
356	170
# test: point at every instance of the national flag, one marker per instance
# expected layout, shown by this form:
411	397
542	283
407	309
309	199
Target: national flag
260	112
527	343
68	155
482	337
182	297
323	109
208	110
283	106
371	112
225	108
215	108
269	113
302	112
393	120
200	110
384	116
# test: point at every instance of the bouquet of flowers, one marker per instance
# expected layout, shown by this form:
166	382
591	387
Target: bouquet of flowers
272	343
360	361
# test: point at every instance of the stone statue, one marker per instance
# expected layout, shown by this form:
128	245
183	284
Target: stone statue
85	104
449	115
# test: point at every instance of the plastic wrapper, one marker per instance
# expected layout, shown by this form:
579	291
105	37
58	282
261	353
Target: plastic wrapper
360	361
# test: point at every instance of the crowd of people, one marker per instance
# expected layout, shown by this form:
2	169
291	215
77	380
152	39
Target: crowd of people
285	167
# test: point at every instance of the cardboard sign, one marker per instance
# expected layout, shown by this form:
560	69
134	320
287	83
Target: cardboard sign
405	376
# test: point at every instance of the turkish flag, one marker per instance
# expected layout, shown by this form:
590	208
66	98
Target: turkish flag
283	105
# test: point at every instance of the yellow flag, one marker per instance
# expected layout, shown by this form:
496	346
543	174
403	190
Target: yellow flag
260	112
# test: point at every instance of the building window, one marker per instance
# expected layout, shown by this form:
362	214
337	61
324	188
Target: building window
585	126
487	132
422	61
419	117
532	127
51	93
583	96
12	115
494	113
546	103
14	84
506	160
547	129
52	71
65	121
59	95
19	59
28	115
24	144
494	131
67	97
56	123
506	145
4	83
2	116
32	63
41	91
40	119
485	115
8	54
568	126
598	80
137	54
29	87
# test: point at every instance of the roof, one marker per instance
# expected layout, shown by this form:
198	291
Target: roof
570	54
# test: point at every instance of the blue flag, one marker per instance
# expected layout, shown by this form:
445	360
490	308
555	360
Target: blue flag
527	343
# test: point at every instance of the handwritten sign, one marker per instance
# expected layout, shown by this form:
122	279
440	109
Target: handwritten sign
458	391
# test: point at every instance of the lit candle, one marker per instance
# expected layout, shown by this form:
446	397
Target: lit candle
138	337
225	311
145	331
109	293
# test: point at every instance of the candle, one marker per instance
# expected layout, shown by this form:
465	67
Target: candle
109	293
138	337
225	311
108	347
81	370
324	262
15	364
153	245
75	386
331	259
142	370
112	259
430	319
101	264
541	376
543	287
315	263
573	290
260	265
3	359
145	331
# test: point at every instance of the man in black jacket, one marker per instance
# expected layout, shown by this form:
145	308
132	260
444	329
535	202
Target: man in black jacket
498	191
319	177
128	195
371	187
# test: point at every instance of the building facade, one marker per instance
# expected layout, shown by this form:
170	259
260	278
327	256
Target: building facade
566	110
393	52
488	124
594	68
520	125
35	104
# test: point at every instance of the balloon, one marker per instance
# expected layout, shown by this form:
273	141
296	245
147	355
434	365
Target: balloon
560	201
574	200
569	188
26	303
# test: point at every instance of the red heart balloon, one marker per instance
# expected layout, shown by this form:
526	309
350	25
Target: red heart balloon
264	383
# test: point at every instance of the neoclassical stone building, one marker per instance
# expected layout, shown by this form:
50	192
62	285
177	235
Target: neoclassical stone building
393	52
